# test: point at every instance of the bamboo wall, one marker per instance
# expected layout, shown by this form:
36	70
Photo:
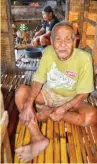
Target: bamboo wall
83	15
7	44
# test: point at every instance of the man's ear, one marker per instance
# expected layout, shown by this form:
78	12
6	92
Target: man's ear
51	41
74	42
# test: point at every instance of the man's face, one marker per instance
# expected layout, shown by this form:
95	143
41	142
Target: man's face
46	16
63	42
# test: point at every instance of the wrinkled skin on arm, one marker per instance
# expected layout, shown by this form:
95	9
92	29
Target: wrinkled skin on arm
71	105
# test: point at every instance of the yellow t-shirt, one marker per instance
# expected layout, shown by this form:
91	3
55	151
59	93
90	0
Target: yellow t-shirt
67	78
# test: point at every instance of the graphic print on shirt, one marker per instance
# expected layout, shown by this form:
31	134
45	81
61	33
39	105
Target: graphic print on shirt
57	79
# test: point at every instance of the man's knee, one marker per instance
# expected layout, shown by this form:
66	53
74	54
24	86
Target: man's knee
22	90
91	118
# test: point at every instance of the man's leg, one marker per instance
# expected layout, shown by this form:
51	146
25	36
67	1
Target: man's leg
86	115
38	141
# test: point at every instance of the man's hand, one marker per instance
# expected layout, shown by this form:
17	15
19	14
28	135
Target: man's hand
58	114
56	117
27	113
60	111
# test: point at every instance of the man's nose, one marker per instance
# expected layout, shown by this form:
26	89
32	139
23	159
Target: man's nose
63	43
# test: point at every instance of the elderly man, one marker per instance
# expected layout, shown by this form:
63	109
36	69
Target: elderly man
59	90
42	37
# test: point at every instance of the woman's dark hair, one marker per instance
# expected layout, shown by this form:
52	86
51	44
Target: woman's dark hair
48	9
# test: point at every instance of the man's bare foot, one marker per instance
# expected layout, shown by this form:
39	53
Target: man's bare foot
28	152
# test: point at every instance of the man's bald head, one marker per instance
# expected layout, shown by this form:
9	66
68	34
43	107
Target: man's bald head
61	24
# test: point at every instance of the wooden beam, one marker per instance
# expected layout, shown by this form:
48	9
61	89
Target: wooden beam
26	13
7	46
67	10
94	52
90	37
90	21
83	25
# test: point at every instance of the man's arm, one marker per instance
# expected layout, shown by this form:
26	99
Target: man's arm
35	89
74	103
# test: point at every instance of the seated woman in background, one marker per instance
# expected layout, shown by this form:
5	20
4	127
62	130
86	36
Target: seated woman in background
42	37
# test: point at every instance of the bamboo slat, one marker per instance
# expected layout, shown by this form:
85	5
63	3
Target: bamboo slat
82	145
56	143
3	78
93	147
91	157
71	146
94	133
49	150
4	25
26	141
19	139
4	84
4	138
41	157
90	135
77	144
63	143
3	125
6	149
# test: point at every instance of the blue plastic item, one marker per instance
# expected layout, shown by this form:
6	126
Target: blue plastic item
34	52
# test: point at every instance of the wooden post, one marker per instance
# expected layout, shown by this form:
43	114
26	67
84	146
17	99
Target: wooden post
5	150
94	52
67	10
7	41
83	23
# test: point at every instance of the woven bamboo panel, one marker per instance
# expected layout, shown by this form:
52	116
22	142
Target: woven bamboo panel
90	43
92	16
93	6
76	5
74	18
73	15
90	28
